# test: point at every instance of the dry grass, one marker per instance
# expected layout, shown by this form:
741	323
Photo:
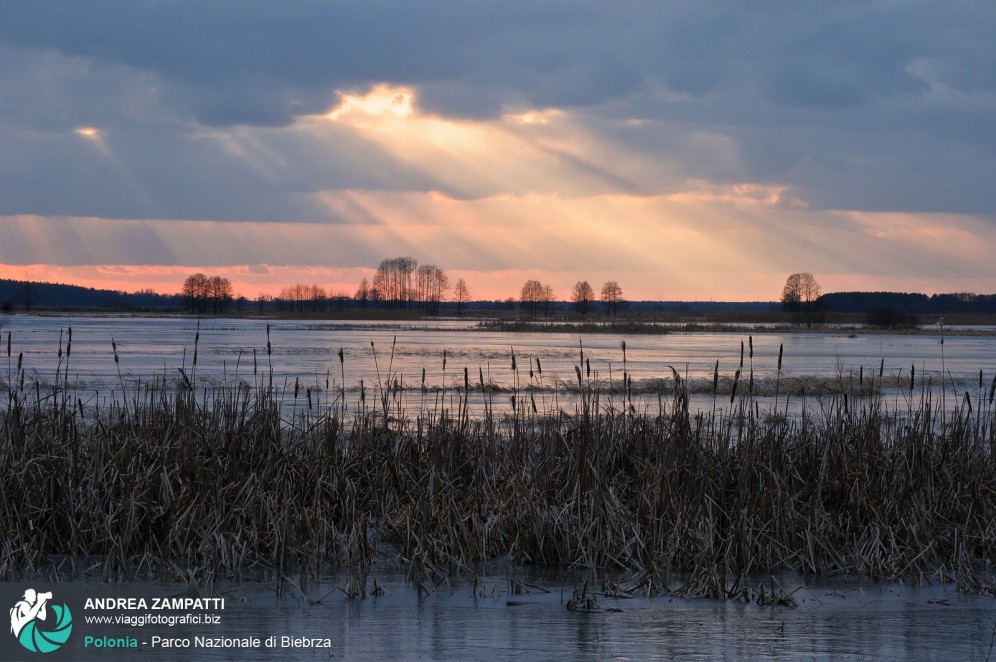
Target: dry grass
217	482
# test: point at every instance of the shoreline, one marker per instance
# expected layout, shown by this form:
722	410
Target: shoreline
503	324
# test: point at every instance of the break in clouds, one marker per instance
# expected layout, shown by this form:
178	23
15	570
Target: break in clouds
301	112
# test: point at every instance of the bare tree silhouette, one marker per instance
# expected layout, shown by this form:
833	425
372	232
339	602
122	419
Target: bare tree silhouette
800	294
461	295
362	295
582	295
531	296
612	296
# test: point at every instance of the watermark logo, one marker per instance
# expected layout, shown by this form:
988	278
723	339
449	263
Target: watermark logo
30	622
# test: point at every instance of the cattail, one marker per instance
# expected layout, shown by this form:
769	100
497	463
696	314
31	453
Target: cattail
539	368
297	387
466	380
444	360
114	347
186	380
269	349
741	355
69	344
733	391
587	363
912	377
861	375
881	368
513	360
715	379
423	380
577	370
342	357
750	341
781	348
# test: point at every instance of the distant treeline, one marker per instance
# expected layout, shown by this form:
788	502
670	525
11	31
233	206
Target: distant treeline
908	303
884	308
27	296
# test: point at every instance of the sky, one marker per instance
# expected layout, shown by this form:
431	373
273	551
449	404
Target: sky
689	150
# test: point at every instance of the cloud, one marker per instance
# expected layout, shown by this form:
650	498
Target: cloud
885	89
734	242
181	118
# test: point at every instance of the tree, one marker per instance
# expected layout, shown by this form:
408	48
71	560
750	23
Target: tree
431	284
800	294
195	291
362	293
547	299
531	296
611	296
202	293
393	280
219	293
799	289
461	294
301	296
582	295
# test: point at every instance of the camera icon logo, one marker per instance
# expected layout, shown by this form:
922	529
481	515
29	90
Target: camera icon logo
30	624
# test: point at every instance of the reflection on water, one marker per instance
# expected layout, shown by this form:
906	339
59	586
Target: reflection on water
833	620
308	353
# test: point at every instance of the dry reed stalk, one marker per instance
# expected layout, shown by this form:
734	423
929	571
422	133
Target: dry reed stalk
228	487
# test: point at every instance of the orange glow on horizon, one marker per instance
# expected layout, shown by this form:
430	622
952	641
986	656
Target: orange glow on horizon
252	281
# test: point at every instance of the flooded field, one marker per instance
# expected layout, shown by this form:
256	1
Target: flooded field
438	355
216	491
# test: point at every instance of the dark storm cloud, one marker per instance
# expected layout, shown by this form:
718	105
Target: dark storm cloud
872	105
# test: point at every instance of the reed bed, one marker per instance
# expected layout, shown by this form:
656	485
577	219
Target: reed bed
219	481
